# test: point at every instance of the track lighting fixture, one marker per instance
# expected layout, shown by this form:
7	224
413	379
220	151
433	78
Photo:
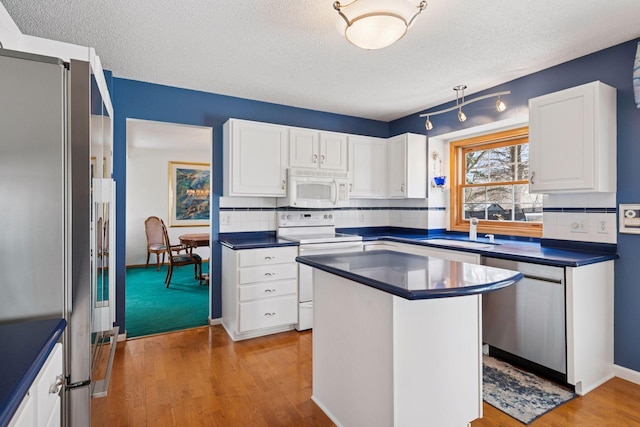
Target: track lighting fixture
427	124
461	102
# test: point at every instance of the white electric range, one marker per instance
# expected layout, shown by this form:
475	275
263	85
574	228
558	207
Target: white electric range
316	233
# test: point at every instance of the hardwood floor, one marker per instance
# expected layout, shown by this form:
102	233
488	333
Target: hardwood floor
200	377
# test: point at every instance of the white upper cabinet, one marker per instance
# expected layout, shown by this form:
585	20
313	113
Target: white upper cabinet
407	166
255	159
572	140
367	167
314	149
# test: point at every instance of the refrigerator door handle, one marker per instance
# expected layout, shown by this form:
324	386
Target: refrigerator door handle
78	385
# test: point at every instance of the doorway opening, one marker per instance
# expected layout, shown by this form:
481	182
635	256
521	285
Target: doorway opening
168	177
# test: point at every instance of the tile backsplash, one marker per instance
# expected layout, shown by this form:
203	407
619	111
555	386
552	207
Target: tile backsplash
576	217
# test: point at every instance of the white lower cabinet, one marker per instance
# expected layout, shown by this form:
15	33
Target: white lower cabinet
259	291
41	405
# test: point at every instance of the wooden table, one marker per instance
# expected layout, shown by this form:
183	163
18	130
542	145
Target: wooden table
195	240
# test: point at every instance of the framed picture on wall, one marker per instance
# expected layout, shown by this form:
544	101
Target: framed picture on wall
189	189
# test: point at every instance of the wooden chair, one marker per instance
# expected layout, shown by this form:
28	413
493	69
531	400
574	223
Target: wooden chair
178	259
155	240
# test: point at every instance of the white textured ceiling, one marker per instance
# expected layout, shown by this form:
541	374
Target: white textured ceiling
289	52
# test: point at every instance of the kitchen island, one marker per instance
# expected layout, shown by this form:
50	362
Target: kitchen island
397	338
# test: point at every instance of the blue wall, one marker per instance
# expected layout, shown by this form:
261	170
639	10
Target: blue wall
612	66
139	100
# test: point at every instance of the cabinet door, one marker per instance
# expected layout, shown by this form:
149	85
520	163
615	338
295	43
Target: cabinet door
333	151
367	167
259	159
397	172
303	148
572	140
25	416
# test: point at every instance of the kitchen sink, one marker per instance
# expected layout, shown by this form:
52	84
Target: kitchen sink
459	243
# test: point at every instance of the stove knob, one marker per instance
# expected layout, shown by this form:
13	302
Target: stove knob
289	216
326	216
282	217
330	216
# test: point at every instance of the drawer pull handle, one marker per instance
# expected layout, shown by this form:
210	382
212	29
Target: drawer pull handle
269	258
270	314
55	388
269	290
269	274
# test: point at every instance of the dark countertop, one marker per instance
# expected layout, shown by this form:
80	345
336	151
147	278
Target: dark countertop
550	252
253	240
522	251
26	346
413	277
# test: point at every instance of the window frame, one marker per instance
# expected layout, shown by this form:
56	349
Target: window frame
457	150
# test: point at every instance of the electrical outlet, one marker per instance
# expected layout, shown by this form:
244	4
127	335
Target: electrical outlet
226	219
361	216
602	227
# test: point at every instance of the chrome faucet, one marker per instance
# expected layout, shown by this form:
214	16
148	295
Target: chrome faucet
473	230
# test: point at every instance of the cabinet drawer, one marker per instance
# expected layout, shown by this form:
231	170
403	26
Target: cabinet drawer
268	313
45	385
268	273
267	290
267	256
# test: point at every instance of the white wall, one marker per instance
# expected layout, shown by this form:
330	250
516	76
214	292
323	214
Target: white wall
148	190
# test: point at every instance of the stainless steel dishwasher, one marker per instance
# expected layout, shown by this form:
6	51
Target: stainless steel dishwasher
528	319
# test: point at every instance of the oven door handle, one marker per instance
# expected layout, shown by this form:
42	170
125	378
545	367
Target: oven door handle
306	249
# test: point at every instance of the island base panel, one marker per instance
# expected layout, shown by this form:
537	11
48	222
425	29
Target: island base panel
382	360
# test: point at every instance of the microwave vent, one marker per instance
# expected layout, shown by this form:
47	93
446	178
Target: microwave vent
318	173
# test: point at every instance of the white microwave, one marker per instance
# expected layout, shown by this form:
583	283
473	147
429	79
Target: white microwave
312	188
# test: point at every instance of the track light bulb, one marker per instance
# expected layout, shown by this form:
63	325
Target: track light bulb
427	124
461	116
500	106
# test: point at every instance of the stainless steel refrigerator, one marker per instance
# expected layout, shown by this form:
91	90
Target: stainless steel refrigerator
47	222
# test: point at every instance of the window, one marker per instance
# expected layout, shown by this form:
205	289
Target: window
490	181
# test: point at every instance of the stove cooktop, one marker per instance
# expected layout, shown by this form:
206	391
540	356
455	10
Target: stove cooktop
323	238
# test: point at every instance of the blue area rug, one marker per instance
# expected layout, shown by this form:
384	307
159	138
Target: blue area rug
152	308
520	394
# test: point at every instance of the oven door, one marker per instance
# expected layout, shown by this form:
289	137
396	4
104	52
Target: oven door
305	275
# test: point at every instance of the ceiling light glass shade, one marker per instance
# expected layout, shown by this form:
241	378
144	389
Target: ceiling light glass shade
375	24
427	124
500	106
461	116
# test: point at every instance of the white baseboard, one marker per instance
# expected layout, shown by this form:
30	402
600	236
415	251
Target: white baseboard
217	321
122	337
627	374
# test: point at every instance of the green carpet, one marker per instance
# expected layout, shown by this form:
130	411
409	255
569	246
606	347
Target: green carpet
151	308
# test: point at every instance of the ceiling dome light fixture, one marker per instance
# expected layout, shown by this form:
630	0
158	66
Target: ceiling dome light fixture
374	24
461	102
